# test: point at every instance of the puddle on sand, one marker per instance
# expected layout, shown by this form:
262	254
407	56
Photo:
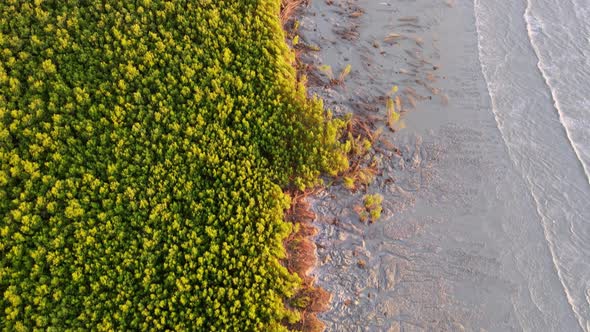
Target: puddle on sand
446	254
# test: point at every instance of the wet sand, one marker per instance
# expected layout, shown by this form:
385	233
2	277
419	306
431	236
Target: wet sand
459	245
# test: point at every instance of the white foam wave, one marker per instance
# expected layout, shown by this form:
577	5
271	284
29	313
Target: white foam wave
534	27
515	146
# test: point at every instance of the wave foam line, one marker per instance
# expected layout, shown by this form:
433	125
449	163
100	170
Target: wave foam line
511	153
529	18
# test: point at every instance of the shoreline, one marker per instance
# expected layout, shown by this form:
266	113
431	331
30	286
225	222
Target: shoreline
301	253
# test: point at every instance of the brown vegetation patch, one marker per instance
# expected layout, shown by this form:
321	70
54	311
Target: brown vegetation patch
301	258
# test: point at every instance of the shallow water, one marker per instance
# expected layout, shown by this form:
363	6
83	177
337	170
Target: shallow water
539	94
559	33
483	224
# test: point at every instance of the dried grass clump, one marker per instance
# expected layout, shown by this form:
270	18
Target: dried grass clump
360	136
288	9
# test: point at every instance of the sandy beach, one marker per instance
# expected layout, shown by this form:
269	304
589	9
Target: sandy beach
463	241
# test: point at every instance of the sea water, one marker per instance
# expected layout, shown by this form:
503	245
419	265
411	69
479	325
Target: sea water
535	57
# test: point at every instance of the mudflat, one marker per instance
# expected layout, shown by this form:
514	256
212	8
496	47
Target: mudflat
461	244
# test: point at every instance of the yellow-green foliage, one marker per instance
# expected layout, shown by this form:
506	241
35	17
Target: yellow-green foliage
143	147
373	207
